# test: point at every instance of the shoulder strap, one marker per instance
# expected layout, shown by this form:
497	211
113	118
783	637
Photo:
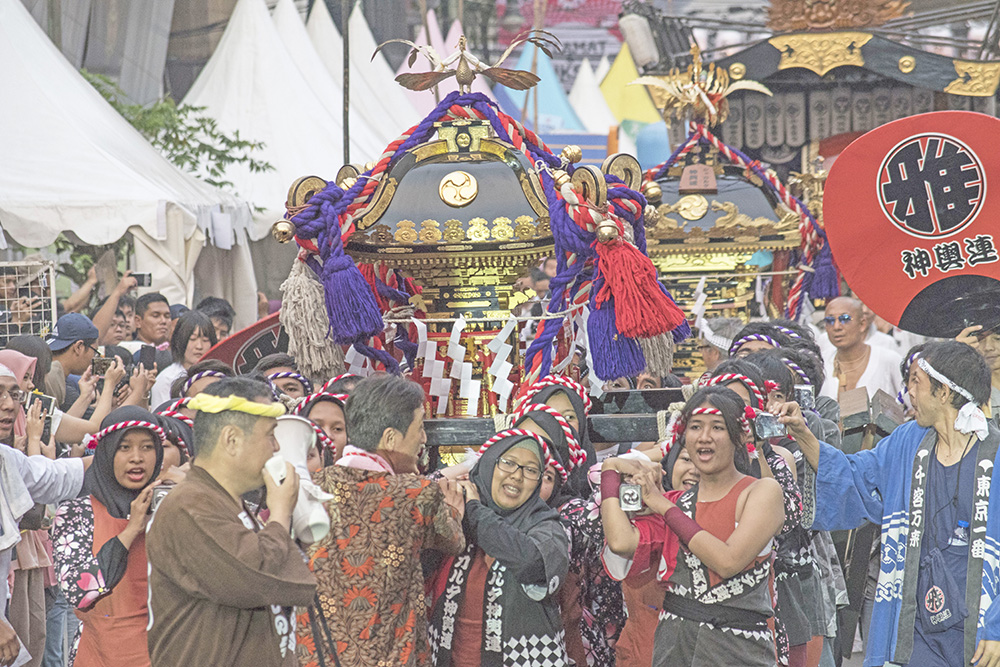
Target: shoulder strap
317	609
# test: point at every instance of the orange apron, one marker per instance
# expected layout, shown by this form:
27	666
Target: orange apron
114	629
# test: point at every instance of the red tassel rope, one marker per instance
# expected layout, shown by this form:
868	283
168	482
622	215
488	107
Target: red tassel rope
642	310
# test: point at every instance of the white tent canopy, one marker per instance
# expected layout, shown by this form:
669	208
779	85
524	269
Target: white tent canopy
603	67
373	91
72	163
588	102
252	85
365	141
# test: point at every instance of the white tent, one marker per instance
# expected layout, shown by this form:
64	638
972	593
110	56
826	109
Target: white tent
72	163
603	67
373	92
252	85
365	141
588	102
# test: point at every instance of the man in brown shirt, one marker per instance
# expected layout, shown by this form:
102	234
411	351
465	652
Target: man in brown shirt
221	583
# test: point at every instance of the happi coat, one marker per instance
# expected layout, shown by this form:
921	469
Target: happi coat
526	556
886	485
221	585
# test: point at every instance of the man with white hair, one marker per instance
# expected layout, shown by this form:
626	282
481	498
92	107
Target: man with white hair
716	337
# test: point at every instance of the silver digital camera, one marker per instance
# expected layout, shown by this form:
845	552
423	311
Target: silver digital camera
630	497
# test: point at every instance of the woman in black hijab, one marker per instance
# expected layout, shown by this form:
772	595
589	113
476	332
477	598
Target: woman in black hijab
497	602
591	603
109	590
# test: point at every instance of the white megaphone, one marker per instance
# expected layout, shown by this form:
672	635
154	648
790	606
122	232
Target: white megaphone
295	436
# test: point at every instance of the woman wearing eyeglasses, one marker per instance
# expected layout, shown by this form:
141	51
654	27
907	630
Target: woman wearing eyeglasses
496	603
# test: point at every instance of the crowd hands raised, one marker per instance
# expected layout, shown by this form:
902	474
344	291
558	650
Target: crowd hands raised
174	541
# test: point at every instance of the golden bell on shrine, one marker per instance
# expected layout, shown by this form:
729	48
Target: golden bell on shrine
652	192
651	216
283	231
571	153
607	231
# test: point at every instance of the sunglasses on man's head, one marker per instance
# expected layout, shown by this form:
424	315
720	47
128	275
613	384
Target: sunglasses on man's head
843	318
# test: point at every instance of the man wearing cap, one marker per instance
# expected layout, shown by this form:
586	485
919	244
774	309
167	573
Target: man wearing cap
72	343
222	584
930	484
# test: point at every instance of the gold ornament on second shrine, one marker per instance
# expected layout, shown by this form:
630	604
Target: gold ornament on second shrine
699	91
692	207
458	189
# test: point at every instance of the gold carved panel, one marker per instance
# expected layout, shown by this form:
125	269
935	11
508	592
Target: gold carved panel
975	79
820	52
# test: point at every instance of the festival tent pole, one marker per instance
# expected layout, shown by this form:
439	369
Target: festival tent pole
366	143
374	93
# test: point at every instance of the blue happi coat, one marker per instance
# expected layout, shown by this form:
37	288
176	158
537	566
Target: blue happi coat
878	485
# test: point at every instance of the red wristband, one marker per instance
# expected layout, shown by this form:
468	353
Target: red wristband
683	526
611	480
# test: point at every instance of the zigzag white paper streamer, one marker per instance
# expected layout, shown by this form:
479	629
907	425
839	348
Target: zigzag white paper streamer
357	363
596	384
698	310
501	367
461	369
421	338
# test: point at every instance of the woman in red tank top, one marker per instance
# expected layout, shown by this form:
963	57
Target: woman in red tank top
710	545
100	541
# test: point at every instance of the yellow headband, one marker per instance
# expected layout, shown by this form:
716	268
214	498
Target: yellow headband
216	404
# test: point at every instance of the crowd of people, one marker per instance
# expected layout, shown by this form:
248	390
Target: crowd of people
142	521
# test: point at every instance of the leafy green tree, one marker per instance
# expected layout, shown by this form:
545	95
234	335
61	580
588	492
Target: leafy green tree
184	134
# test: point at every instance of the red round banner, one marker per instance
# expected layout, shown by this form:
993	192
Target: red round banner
911	223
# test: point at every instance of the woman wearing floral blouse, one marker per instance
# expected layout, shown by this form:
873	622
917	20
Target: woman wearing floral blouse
100	541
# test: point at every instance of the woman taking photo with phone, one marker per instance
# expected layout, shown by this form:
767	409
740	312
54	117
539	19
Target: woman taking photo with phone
100	541
712	543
